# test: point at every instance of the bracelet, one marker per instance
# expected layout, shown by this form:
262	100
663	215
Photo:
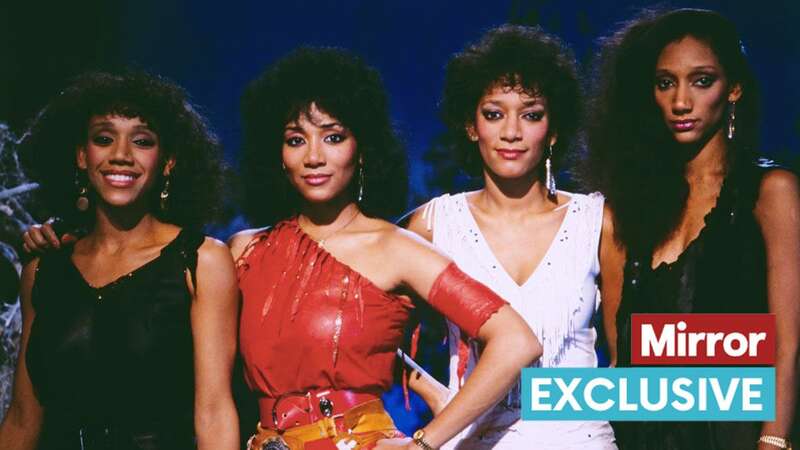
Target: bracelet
420	442
776	441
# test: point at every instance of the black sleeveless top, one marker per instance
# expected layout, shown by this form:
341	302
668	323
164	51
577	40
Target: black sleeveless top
113	366
722	271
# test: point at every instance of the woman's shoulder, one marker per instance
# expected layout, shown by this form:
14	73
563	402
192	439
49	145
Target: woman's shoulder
395	240
591	198
778	190
239	241
422	220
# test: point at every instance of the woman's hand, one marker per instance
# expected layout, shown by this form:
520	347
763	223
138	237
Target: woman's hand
41	238
434	394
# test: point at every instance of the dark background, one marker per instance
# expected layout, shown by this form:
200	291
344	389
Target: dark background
213	49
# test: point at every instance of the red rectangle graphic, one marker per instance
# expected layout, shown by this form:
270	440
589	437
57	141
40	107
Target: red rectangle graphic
703	339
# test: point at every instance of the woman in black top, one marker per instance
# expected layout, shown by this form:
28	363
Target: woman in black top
707	226
129	334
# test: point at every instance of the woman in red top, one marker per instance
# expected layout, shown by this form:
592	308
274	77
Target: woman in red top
324	289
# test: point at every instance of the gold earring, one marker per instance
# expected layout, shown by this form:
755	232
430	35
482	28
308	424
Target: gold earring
82	202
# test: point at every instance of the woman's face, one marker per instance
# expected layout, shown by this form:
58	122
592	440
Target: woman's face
692	91
121	159
319	155
511	129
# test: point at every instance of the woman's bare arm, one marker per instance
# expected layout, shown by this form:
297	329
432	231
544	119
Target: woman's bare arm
612	265
778	213
20	429
509	343
214	324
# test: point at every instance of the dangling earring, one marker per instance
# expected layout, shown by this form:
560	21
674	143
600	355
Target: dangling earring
549	179
82	203
165	195
360	182
731	120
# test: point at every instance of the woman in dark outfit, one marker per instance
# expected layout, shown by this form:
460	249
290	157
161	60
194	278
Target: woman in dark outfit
707	226
129	334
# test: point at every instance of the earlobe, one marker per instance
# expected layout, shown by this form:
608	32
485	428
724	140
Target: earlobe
471	133
735	93
553	140
168	167
80	158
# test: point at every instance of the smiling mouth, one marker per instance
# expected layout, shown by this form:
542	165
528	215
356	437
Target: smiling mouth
120	179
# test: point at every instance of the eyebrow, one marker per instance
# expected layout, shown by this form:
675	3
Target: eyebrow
693	70
531	102
106	124
325	126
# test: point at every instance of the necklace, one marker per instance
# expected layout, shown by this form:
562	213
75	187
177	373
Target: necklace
321	242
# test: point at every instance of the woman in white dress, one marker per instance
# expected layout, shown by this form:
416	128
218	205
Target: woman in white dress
511	104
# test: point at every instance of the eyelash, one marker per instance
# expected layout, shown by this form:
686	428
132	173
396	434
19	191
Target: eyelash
104	141
703	81
535	116
336	138
492	115
662	84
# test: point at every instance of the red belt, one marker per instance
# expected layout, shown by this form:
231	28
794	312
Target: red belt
292	410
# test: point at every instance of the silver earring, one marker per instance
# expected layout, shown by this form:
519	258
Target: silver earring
360	182
731	120
165	195
549	179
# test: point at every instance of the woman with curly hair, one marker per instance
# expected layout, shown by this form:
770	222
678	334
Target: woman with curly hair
129	334
325	289
511	105
707	226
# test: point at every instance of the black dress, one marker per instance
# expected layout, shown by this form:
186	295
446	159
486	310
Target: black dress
113	366
722	271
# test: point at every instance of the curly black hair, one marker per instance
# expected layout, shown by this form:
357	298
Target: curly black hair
48	149
512	56
632	157
345	87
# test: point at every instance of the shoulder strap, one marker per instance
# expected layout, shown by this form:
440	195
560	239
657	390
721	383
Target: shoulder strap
185	245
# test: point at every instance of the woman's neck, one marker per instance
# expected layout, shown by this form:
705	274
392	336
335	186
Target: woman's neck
514	197
709	163
118	228
329	214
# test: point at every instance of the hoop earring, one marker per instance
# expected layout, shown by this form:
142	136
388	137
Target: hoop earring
360	182
731	120
164	195
549	179
82	202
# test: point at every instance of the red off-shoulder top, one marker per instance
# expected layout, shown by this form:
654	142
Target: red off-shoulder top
311	322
